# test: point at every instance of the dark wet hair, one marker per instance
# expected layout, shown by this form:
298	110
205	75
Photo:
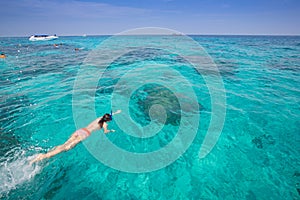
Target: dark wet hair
105	118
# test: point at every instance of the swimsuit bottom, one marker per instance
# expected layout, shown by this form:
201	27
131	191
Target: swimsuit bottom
82	133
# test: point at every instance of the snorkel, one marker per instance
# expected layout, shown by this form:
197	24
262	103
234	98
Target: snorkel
111	115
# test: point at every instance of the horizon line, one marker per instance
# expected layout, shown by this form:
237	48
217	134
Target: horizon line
189	34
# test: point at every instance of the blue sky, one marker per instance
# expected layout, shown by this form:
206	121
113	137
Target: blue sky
78	17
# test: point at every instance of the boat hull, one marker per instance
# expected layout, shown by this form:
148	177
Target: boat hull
43	38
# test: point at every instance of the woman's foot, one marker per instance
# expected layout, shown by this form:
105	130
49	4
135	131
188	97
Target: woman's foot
39	157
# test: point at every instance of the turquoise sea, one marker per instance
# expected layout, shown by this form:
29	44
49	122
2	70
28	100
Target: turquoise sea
256	156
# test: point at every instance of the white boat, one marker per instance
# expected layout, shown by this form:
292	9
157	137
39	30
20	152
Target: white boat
42	37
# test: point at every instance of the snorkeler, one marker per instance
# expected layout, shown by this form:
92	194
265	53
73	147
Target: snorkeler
79	136
2	55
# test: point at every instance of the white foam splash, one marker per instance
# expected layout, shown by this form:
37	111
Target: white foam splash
15	171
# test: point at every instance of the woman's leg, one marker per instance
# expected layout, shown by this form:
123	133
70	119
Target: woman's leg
70	143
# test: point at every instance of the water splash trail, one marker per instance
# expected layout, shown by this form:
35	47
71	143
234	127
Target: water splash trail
15	171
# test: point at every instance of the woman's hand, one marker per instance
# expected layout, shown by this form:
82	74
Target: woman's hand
117	112
108	131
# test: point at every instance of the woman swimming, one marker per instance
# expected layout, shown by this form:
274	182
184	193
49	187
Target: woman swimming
79	136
